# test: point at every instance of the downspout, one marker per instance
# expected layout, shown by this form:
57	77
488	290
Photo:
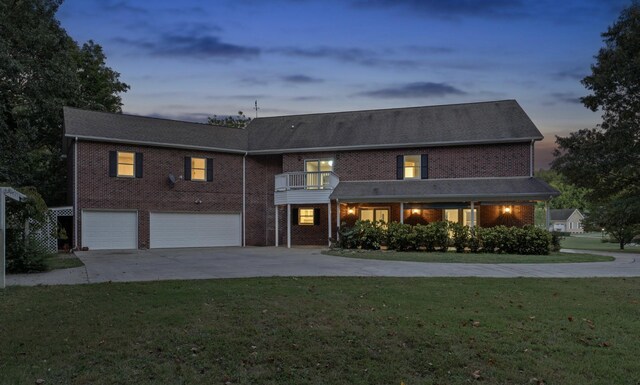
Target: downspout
75	192
244	199
531	159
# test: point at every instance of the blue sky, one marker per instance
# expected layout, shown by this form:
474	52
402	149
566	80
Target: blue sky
193	58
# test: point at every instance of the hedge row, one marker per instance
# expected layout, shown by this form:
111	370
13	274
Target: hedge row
442	235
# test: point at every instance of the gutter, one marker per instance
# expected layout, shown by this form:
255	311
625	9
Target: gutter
75	193
244	199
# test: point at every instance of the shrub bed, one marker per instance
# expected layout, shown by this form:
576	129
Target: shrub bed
439	236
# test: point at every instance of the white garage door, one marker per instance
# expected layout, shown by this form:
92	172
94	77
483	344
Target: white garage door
109	230
194	230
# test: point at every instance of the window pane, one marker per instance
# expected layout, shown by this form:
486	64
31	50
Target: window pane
126	157
382	215
411	166
366	215
198	163
125	170
311	166
197	174
326	165
451	215
466	216
305	216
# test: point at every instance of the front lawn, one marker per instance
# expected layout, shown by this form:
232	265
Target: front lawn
581	242
62	261
453	257
324	331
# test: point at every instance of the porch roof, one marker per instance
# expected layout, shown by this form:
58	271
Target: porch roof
445	190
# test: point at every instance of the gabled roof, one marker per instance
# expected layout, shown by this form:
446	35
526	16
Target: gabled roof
110	127
561	214
445	190
456	124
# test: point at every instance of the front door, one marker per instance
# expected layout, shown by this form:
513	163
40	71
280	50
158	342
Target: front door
374	215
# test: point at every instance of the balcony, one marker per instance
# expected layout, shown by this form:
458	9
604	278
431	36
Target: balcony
304	187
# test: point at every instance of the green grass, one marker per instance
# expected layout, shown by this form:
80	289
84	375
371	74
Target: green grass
595	243
324	331
453	257
63	261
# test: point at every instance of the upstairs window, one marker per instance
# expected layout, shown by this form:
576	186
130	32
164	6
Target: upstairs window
198	169
412	167
125	164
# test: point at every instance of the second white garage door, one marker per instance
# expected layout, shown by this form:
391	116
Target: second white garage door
194	230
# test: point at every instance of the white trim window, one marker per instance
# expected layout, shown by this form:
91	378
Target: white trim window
412	167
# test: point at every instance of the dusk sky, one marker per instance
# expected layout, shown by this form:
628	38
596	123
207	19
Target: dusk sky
191	59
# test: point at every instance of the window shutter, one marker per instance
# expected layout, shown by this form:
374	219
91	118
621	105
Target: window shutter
113	163
424	166
187	168
400	167
209	169
138	165
294	216
316	216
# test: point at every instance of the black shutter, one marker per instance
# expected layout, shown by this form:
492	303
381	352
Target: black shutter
400	167
138	165
294	216
113	163
424	166
187	168
209	169
316	216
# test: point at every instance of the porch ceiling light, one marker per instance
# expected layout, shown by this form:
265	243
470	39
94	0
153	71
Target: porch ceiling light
415	211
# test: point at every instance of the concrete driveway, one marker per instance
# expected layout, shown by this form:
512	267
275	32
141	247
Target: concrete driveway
235	262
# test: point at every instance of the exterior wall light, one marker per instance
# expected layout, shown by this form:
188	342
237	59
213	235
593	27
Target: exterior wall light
351	211
507	210
415	211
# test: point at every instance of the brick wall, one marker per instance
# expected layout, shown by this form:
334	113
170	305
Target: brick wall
494	215
96	190
260	211
493	160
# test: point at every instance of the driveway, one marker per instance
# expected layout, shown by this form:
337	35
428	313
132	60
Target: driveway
235	262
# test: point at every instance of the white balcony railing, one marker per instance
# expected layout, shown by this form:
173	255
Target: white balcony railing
323	180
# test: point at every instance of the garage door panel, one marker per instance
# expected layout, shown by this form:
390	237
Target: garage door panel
109	230
194	230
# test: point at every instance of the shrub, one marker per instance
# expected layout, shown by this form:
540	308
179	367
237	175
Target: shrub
27	257
533	241
370	234
441	235
556	237
460	236
400	236
424	237
347	237
475	239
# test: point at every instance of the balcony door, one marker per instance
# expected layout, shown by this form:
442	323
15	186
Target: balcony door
318	172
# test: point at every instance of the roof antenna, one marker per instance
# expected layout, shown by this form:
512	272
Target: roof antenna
256	108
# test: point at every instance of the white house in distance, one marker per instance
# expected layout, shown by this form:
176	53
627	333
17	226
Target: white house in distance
566	220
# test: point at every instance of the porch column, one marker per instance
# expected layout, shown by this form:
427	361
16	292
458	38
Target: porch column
277	238
473	216
401	212
337	216
547	214
288	225
329	220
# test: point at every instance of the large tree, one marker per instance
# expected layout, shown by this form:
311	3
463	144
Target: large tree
606	159
42	69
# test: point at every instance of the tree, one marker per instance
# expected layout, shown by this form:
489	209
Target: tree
606	159
239	121
42	69
570	196
619	218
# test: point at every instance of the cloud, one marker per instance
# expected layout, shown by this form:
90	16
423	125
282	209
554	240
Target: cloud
301	79
576	73
346	55
194	46
122	6
415	90
563	97
452	9
306	98
195	117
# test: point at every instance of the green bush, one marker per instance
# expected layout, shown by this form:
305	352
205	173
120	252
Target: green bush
556	238
425	237
25	257
371	234
400	236
441	235
460	236
475	239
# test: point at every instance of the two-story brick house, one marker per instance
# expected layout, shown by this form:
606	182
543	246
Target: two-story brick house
140	182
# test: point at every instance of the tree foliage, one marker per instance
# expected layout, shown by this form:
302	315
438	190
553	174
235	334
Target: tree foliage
239	121
606	159
619	218
42	69
571	196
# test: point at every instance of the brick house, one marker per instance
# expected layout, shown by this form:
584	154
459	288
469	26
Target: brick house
139	182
